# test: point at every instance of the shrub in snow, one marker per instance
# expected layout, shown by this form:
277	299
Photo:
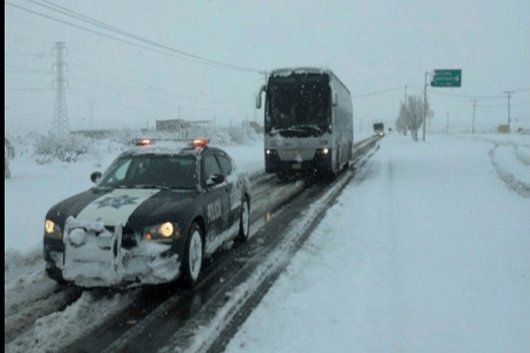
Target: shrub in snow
69	148
234	136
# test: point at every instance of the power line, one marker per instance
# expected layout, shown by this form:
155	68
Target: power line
126	83
159	110
460	96
503	105
180	54
40	56
27	72
28	89
465	96
126	106
379	92
151	90
24	69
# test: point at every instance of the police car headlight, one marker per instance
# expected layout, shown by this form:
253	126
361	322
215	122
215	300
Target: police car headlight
324	151
166	230
52	230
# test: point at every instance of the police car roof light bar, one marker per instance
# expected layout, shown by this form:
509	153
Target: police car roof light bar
143	142
200	143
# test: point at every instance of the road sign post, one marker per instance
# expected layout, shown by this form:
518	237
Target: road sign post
447	78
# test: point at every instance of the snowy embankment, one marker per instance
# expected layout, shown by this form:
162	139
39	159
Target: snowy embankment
512	162
426	251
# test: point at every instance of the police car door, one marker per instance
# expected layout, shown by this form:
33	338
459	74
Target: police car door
218	194
235	186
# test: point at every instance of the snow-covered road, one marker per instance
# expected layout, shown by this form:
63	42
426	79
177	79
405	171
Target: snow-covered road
427	251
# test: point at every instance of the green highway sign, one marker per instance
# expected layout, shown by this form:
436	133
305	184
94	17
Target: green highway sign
447	78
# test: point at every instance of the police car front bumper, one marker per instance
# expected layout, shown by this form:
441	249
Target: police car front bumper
91	256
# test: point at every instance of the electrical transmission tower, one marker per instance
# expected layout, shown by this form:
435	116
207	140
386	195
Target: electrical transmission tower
60	125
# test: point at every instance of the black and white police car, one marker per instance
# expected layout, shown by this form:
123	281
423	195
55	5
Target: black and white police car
152	218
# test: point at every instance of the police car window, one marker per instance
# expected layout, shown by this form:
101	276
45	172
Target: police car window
152	171
211	166
182	172
225	164
116	173
166	172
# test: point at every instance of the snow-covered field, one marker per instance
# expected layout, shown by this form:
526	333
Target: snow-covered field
427	250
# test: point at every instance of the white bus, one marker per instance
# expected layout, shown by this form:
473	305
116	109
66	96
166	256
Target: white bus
308	122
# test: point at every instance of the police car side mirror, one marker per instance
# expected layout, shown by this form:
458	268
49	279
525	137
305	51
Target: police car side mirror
215	179
95	177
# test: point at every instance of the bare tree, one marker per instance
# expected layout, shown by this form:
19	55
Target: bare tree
411	116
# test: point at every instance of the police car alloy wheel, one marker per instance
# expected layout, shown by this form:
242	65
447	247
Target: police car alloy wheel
244	221
193	256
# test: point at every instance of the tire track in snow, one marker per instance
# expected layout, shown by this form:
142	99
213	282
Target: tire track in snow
522	188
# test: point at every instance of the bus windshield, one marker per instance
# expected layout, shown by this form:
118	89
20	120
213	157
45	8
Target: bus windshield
296	101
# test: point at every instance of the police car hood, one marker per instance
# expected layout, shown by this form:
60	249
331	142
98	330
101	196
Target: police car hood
136	208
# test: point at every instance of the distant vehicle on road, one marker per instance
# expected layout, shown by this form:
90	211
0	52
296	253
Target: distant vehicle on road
379	129
308	122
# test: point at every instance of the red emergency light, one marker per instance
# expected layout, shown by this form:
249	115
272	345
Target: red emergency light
200	143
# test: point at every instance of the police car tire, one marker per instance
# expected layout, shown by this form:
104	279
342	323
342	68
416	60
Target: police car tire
244	221
57	275
193	256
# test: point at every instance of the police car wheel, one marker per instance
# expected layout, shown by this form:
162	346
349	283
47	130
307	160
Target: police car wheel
56	274
244	222
193	256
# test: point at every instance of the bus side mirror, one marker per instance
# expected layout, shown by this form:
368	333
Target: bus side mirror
334	99
258	97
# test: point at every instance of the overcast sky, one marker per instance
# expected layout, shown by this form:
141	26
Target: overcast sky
131	62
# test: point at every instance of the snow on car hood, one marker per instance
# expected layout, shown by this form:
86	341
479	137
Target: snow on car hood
116	206
134	207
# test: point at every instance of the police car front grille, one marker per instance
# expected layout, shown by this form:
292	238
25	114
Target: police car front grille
128	239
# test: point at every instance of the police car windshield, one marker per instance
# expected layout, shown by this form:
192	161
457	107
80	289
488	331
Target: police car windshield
151	171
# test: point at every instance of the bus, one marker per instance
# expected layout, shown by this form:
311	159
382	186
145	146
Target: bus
308	122
379	129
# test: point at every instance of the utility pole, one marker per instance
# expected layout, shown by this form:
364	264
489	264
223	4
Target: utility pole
405	96
447	114
474	106
91	122
509	93
60	125
425	103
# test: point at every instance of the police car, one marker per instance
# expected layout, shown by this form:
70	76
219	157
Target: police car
152	217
